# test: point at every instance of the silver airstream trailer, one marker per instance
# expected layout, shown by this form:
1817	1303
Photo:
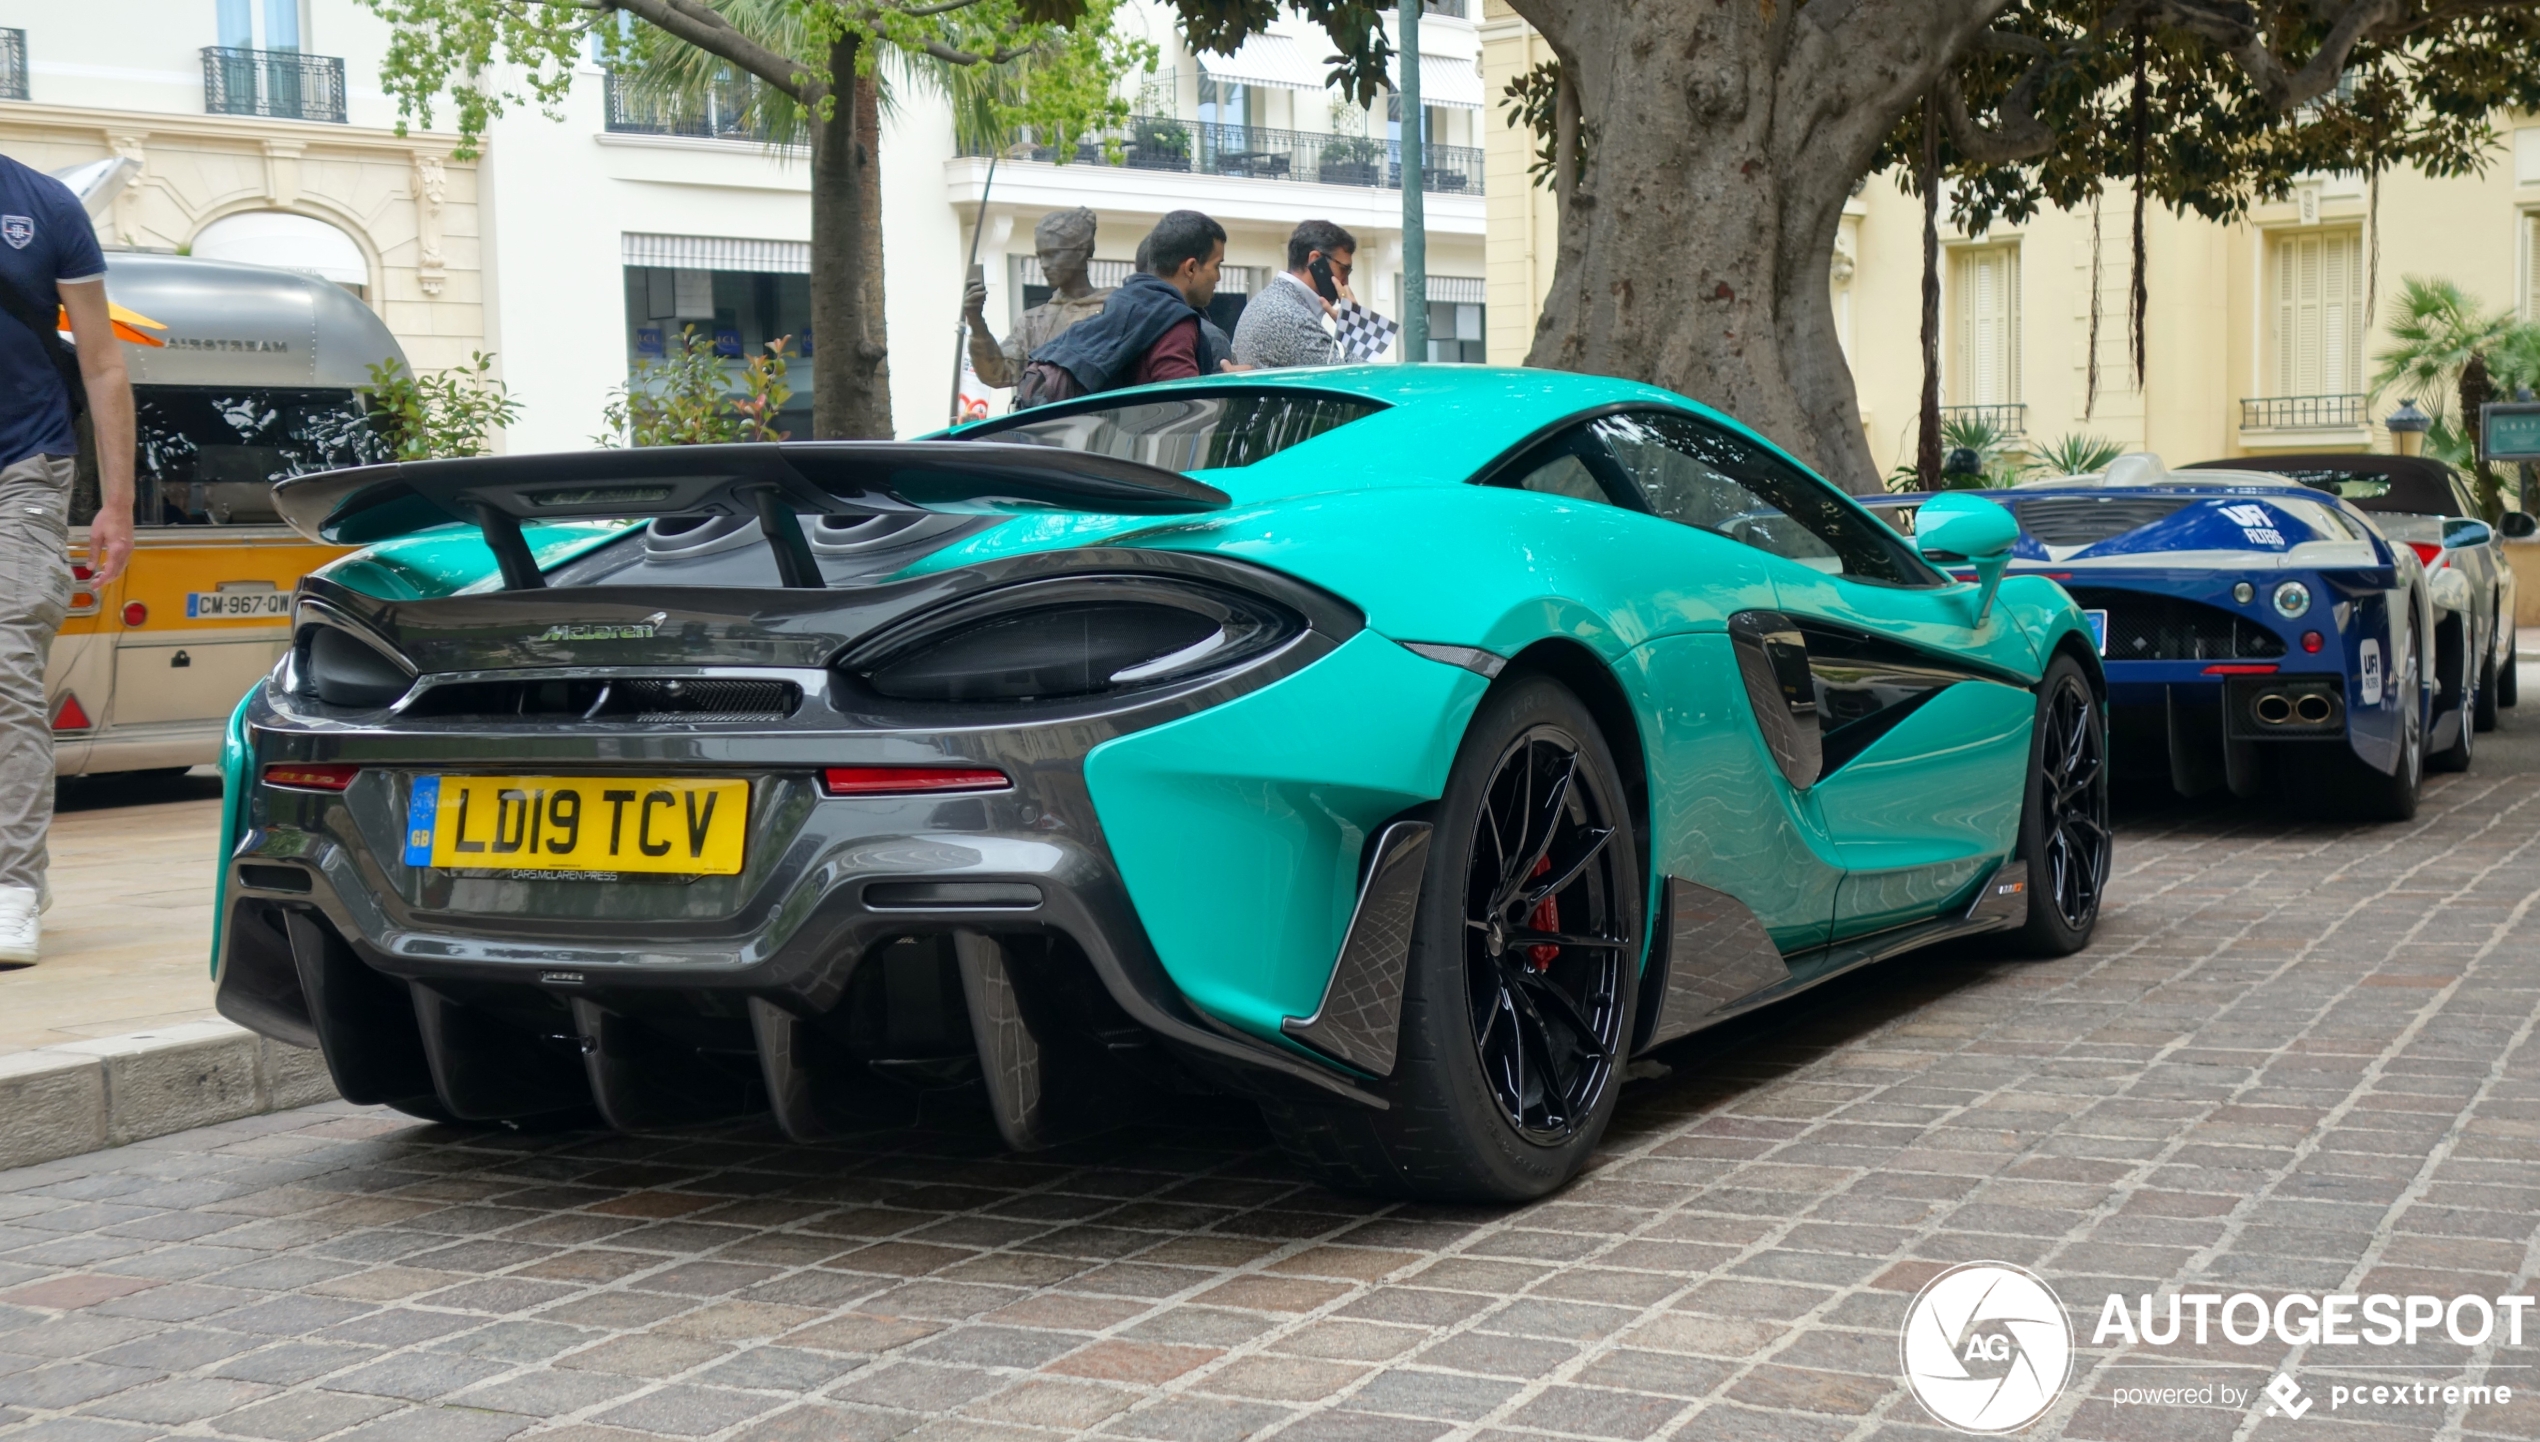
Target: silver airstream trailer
259	378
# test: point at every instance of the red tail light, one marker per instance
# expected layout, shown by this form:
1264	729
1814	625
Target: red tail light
303	776
70	715
2427	551
80	572
2311	642
135	614
2252	670
910	780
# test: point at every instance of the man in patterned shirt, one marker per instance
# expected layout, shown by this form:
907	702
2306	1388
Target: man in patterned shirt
1291	322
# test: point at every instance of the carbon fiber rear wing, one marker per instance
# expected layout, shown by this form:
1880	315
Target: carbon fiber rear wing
775	481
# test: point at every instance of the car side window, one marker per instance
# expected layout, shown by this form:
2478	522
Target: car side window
1559	466
1698	476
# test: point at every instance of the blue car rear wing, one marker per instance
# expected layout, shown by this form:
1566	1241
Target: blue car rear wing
775	481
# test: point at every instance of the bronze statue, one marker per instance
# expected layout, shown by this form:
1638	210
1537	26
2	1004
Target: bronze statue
1065	242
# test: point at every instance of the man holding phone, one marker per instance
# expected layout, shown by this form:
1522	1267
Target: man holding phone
1307	315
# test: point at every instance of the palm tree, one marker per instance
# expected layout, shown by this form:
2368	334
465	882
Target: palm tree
2447	346
2436	328
2076	454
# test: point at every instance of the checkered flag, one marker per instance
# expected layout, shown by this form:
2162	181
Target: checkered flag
1364	335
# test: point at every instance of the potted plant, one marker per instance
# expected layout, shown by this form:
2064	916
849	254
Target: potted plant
1159	144
1353	160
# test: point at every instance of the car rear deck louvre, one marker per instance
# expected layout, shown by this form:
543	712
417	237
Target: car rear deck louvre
2088	520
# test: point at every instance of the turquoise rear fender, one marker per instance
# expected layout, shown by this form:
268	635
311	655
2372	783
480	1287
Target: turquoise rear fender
235	760
1238	831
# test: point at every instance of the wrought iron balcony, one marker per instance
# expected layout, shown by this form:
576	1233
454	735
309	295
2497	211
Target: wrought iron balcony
282	84
1256	152
731	109
2342	410
2006	420
12	65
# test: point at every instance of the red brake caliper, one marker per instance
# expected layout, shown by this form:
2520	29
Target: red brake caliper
1545	917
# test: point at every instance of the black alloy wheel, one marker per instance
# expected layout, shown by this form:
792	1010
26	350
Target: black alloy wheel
1544	949
1521	979
2064	831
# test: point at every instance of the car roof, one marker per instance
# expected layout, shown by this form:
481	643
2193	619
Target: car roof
2410	485
1441	422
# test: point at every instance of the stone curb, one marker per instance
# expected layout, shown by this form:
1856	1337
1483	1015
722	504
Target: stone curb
59	1101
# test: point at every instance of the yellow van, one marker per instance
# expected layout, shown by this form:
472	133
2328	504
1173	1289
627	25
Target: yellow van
258	380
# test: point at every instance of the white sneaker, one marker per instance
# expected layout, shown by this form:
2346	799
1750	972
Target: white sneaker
20	932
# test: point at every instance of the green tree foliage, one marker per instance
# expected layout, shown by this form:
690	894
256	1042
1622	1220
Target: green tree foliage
2240	99
487	56
448	413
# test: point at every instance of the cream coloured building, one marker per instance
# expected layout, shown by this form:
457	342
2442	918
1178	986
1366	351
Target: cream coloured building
2258	339
577	246
277	145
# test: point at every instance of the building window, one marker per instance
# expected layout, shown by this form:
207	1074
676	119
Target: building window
1456	318
2319	313
291	242
1223	102
1985	286
738	311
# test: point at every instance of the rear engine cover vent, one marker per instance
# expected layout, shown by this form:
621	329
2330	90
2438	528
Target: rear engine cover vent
2088	520
2144	626
633	700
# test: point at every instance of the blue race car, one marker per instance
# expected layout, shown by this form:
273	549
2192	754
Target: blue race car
2256	632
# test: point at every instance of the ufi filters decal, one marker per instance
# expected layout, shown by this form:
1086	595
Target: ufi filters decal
1987	1347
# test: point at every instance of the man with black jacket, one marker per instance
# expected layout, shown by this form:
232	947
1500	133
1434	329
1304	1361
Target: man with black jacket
1154	327
49	266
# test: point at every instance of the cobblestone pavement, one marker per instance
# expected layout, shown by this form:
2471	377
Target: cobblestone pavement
2299	1058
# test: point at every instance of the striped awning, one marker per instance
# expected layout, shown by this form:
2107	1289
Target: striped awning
1274	60
717	252
1449	80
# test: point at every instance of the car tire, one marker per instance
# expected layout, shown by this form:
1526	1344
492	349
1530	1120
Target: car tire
2508	683
2064	832
2457	756
1488	1019
2373	795
2484	708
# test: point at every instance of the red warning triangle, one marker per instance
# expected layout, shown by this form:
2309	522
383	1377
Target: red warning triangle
71	717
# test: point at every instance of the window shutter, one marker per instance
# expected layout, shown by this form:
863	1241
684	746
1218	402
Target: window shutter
2319	314
1987	284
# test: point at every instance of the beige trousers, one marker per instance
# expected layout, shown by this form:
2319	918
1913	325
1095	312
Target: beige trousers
35	589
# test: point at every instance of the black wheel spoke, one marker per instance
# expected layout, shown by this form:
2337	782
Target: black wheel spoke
1518	938
1544	996
1527	899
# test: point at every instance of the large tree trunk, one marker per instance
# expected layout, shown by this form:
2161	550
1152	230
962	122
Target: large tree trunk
1695	253
851	382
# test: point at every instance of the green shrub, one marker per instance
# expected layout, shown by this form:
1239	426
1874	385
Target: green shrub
449	413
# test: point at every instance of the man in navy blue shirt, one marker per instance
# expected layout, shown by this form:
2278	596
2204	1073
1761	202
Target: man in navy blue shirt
49	266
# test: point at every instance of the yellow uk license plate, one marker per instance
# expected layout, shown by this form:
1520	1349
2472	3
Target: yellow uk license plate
648	824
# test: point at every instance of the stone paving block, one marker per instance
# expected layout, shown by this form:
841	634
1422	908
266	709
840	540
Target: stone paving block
303	1416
